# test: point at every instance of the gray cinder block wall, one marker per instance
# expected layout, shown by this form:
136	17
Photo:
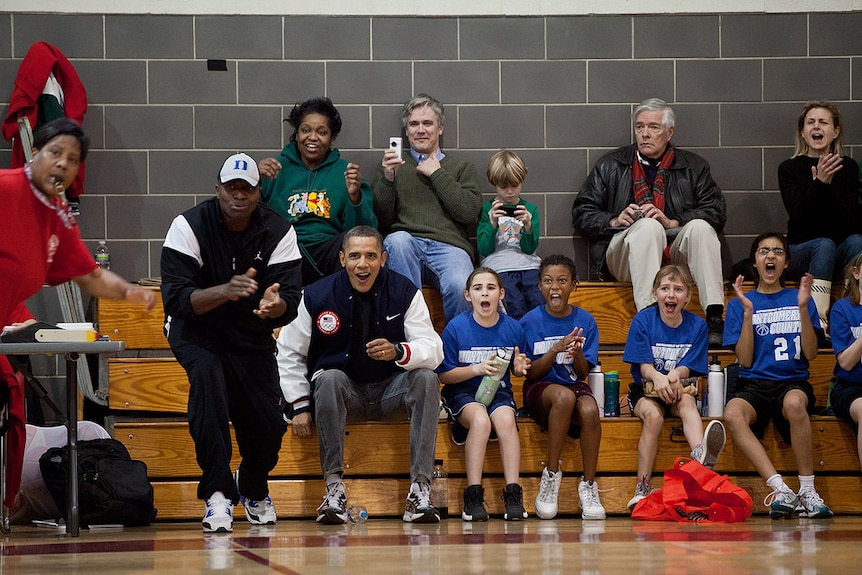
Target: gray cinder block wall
559	90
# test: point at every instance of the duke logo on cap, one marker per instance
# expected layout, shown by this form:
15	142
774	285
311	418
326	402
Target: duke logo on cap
240	167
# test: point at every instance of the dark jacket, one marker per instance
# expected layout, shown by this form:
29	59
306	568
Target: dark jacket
690	194
199	253
333	294
321	335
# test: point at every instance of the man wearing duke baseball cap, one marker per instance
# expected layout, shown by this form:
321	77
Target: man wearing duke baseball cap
230	275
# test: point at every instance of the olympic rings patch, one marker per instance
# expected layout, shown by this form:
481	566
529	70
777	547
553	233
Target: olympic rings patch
328	322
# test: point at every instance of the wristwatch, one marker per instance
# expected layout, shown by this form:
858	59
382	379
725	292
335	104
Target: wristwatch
399	352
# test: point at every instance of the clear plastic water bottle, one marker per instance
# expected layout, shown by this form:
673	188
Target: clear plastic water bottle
357	514
103	256
440	489
596	381
490	383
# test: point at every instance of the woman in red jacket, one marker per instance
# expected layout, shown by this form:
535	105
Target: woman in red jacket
39	244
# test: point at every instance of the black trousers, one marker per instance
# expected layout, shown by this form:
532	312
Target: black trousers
243	388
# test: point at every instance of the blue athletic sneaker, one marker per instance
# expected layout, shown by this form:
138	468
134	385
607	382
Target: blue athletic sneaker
782	503
218	517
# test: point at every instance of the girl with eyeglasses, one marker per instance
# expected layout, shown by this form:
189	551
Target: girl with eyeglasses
774	331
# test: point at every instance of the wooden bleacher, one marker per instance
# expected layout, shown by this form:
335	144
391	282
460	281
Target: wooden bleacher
148	391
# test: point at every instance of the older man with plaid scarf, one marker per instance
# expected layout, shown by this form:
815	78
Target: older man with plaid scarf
648	204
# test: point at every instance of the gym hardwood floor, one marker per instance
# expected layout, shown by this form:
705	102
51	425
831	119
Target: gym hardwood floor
568	545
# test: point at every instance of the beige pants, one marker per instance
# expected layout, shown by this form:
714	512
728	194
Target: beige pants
635	255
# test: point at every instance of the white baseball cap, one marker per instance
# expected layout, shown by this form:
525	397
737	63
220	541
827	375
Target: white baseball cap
240	167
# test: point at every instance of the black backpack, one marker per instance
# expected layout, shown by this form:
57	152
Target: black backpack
112	487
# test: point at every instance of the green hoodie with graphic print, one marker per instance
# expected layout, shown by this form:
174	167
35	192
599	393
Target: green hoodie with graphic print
316	201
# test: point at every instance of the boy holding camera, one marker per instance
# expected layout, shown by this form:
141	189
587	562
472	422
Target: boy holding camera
507	234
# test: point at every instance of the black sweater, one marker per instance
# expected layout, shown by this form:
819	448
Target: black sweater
818	210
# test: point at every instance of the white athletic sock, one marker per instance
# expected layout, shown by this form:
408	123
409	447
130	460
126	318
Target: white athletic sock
776	483
806	481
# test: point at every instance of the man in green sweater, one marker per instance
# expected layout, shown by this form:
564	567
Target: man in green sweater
426	202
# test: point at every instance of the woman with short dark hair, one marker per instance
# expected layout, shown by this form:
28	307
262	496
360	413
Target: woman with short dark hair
321	194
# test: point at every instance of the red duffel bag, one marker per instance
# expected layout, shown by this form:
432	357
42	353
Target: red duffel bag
693	492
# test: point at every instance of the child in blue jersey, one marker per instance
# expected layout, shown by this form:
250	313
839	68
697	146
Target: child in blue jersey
470	343
774	331
563	344
666	345
507	234
846	321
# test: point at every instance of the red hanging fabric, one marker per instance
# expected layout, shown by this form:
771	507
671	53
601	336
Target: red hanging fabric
41	60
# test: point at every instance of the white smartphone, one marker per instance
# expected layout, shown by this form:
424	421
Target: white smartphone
395	144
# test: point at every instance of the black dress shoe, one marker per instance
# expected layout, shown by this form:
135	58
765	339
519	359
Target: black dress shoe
715	329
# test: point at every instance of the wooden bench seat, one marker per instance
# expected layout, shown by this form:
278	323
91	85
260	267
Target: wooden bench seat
377	459
383	449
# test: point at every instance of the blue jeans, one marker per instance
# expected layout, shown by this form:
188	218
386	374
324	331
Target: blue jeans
442	265
522	292
822	258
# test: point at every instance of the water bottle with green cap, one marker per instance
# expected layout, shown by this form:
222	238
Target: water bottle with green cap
612	394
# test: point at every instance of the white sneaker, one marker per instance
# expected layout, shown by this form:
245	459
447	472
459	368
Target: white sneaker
419	508
713	442
257	512
333	510
549	489
219	514
782	503
588	499
641	491
813	505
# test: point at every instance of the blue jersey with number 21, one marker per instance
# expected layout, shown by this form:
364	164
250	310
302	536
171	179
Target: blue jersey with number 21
777	334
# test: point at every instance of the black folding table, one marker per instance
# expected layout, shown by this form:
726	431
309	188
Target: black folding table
71	351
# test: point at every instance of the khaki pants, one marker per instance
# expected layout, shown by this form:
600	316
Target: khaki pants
635	255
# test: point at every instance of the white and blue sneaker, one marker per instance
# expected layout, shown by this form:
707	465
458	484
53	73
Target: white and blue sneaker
219	514
813	506
257	512
782	503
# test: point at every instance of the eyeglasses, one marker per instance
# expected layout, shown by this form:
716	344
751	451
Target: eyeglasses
765	251
653	128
